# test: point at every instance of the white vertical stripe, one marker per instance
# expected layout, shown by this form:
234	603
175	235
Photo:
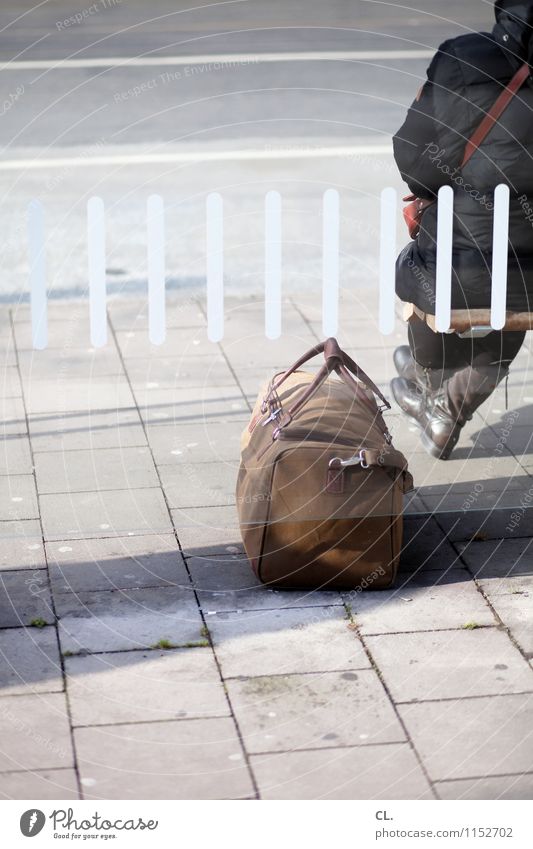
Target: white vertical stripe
37	258
443	284
330	262
387	261
215	266
500	256
273	265
97	282
155	215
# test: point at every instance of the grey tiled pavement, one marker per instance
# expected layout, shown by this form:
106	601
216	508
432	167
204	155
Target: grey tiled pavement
140	657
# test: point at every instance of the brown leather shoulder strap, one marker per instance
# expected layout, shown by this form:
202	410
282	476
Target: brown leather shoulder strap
496	112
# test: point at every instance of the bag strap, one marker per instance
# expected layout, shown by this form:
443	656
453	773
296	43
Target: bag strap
332	354
335	360
335	357
496	112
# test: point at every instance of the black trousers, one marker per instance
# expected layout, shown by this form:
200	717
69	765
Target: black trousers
448	351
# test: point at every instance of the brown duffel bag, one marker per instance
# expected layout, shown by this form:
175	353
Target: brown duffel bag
320	487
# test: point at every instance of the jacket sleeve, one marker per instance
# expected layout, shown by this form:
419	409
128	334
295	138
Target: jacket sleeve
426	147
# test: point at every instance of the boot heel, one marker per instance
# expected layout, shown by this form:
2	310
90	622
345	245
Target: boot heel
434	450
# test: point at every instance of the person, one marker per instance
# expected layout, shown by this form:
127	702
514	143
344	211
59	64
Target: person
444	378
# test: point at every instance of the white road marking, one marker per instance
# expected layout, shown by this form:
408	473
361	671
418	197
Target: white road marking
330	262
387	261
97	281
216	59
443	283
37	262
155	214
185	157
500	256
215	266
273	259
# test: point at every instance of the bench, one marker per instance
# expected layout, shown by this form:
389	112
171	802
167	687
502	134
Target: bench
471	324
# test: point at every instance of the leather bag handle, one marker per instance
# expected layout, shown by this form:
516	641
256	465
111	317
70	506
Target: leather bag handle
335	360
335	357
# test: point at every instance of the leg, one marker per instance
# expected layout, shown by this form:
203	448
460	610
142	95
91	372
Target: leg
438	353
470	387
437	350
452	378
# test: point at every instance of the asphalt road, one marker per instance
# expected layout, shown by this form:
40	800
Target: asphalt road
118	98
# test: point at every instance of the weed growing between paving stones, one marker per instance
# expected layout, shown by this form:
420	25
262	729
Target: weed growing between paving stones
164	644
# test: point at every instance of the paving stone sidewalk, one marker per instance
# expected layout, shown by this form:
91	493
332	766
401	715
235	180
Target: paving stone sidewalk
138	656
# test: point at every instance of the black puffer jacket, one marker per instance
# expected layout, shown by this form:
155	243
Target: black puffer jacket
465	79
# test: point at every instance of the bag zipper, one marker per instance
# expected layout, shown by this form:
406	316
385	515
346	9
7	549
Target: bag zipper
303	435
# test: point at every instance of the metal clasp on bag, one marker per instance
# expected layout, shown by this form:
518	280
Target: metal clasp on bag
357	460
272	417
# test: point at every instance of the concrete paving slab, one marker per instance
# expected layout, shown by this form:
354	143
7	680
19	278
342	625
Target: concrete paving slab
185	406
21	545
15	457
363	772
502	558
450	664
425	548
116	563
179	342
185	372
8	356
514	610
186	759
29	661
100	469
39	784
476	475
12	417
281	642
287	712
244	331
68	331
35	732
252	350
483	524
203	442
207	519
84	515
10	386
357	306
76	364
358	339
227	583
519	440
454	502
425	602
18	499
472	737
137	686
133	314
253	379
119	428
502	787
60	395
210	484
24	598
127	619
